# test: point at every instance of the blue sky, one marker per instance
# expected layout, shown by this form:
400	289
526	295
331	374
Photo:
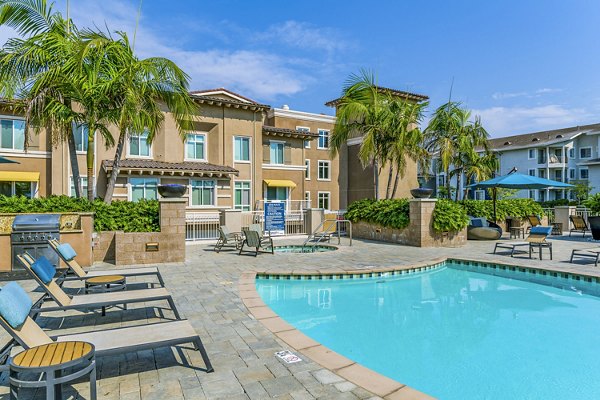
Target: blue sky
522	66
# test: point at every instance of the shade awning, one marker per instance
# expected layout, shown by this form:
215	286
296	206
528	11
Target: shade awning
18	176
279	183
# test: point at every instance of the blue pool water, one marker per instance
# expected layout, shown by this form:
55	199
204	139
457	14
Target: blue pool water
454	333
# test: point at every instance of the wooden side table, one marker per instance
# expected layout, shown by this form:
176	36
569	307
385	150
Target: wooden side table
103	284
517	232
51	360
557	228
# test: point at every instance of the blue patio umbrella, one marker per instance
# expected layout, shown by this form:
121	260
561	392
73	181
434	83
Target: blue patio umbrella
517	181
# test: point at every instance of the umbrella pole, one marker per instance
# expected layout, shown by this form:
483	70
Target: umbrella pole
494	193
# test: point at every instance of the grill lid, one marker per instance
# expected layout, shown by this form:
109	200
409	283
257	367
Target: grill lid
36	222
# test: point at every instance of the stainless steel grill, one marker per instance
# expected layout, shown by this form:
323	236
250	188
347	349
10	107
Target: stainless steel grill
30	233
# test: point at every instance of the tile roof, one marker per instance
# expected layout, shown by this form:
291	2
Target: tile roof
186	166
400	93
288	132
537	139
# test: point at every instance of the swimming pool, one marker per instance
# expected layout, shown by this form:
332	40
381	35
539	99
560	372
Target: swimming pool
455	331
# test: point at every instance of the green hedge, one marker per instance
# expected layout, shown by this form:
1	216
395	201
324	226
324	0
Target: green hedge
449	216
389	213
141	216
504	208
593	203
556	203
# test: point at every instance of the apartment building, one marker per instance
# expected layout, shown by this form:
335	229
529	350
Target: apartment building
565	155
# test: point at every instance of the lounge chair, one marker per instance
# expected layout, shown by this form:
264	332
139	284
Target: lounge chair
592	252
254	240
579	225
67	254
537	238
228	239
534	220
47	282
482	229
328	229
112	341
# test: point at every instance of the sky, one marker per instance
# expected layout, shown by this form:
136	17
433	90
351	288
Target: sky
522	66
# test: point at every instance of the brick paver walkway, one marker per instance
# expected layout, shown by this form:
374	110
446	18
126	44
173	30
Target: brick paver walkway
241	349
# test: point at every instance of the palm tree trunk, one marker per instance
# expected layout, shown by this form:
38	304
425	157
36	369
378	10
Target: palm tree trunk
389	182
74	165
396	181
447	172
90	163
115	167
376	179
457	186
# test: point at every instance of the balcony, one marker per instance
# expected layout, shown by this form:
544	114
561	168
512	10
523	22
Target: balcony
555	160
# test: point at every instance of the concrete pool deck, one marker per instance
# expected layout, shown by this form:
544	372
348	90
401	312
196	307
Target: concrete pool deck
206	289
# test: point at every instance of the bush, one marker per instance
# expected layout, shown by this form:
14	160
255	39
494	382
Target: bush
389	213
141	216
449	216
556	203
504	208
593	203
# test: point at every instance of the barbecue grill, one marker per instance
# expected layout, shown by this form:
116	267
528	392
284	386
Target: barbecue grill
31	233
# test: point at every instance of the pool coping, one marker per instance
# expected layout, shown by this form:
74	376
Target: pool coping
356	373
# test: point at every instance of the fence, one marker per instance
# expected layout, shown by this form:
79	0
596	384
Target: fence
202	225
549	212
295	221
585	213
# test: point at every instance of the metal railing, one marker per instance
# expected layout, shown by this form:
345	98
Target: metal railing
295	221
202	225
585	213
549	212
291	205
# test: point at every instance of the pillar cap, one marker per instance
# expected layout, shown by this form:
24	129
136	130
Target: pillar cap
173	200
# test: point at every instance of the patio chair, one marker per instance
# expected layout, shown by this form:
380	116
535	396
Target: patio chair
253	240
107	342
534	220
592	252
44	272
67	254
228	239
328	229
579	225
536	239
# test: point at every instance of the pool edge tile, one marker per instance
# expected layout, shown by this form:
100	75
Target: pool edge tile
372	381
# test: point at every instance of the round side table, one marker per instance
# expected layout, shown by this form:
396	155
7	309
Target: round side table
51	360
104	284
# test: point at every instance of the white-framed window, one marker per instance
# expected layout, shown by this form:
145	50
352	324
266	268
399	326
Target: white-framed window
203	192
584	173
531	172
532	194
12	134
572	152
143	188
531	154
84	185
323	200
324	170
542	173
80	135
307	197
304	129
572	174
11	188
277	150
241	195
558	175
307	170
241	150
306	144
195	146
441	180
585	152
323	139
139	146
480	195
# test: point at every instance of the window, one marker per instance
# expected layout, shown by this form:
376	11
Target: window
307	170
84	185
572	173
558	175
138	145
9	188
323	139
241	148
80	134
242	196
195	146
542	173
277	149
585	152
572	152
143	188
306	144
12	134
480	195
584	173
323	200
203	193
307	198
532	172
441	180
532	194
277	193
324	171
531	154
304	129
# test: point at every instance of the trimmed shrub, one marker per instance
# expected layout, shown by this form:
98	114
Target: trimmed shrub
593	203
141	216
504	208
449	216
556	203
389	213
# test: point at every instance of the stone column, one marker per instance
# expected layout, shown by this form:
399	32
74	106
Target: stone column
232	219
561	214
421	216
314	218
172	226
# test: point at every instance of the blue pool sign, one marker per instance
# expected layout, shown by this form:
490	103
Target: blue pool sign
275	217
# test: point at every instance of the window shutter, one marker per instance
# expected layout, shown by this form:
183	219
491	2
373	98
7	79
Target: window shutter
287	153
266	152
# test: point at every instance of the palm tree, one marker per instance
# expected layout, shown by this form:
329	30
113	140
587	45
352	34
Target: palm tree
142	85
479	167
30	67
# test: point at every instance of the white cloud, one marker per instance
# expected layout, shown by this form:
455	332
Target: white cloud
502	95
304	36
535	93
500	121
